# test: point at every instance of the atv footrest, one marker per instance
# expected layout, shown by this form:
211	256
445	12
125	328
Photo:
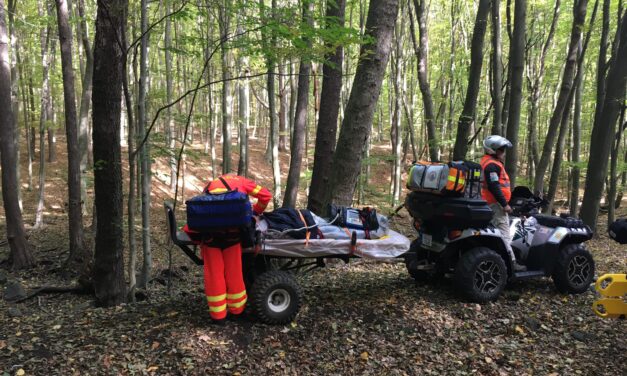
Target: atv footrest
529	274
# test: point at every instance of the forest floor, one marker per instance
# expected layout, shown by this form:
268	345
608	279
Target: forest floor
360	318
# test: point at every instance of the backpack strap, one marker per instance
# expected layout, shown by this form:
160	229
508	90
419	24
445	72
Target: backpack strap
307	233
226	185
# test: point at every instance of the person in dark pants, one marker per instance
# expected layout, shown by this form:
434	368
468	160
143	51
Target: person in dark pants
496	189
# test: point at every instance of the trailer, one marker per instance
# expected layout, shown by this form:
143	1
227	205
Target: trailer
274	295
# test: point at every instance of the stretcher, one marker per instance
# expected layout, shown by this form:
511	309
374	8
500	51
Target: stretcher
274	295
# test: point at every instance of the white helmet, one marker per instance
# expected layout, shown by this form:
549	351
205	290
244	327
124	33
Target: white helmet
494	142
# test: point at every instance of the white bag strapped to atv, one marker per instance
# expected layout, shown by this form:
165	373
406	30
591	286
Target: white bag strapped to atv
274	296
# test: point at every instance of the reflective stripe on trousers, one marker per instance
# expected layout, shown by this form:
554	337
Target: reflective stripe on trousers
224	280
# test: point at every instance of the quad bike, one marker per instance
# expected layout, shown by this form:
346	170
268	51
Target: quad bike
613	287
456	238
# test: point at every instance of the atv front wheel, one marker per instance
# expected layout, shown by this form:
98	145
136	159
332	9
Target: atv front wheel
574	270
481	275
275	297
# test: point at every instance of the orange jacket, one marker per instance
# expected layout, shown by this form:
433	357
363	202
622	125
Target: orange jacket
243	185
504	182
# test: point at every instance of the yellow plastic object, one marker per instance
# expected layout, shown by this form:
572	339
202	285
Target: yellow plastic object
614	289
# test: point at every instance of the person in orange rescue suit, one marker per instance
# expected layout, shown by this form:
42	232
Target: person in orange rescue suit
224	280
496	189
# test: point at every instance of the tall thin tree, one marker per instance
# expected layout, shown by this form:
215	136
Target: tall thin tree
601	141
20	255
243	87
497	68
579	18
358	116
108	269
227	97
467	117
517	62
83	122
78	254
300	121
329	110
421	49
145	171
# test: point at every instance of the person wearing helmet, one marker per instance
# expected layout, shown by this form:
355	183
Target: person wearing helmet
496	189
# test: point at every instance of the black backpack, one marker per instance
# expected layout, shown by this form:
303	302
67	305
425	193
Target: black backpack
618	231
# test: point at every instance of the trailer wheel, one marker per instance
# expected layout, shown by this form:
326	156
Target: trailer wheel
275	298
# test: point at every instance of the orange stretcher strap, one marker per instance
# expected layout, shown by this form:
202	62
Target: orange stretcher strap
307	233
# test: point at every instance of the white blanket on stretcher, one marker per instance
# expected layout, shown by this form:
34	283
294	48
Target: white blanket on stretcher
389	246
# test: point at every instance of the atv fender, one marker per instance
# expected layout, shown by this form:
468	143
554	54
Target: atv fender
489	237
564	235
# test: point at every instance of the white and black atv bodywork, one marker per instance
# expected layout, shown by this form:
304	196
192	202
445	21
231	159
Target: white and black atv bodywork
477	259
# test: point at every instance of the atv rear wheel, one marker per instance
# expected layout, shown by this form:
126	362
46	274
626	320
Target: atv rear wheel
275	297
481	275
574	270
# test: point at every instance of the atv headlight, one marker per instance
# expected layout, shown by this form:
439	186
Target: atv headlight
559	234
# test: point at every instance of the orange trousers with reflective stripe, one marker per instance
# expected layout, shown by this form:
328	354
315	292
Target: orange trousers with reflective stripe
224	280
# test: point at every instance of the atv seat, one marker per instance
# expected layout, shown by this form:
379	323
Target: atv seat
179	238
552	221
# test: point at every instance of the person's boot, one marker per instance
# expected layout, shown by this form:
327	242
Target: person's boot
518	267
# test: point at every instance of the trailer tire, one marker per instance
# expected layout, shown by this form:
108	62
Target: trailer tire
481	275
574	270
275	298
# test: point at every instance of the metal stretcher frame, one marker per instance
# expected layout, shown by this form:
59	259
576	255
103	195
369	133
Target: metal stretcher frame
295	250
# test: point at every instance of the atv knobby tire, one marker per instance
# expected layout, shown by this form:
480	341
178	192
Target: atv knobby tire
275	297
481	275
574	270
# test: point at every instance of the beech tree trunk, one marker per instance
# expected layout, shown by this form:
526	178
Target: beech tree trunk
497	68
396	131
517	63
273	137
329	109
20	255
46	56
108	270
579	18
602	132
574	179
78	253
83	122
227	97
421	51
244	109
300	121
170	126
283	110
467	117
535	86
359	112
559	150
